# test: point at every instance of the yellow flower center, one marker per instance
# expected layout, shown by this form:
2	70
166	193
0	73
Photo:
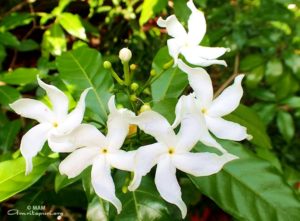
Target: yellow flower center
55	124
203	111
104	150
171	150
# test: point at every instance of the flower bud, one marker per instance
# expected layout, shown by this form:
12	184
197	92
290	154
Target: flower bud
125	55
152	72
133	97
120	106
145	107
133	67
106	64
134	86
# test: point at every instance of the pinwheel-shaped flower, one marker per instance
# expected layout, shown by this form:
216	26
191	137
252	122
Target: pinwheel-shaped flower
101	152
51	121
170	152
202	105
187	44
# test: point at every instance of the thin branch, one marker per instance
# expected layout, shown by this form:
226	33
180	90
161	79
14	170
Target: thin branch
231	78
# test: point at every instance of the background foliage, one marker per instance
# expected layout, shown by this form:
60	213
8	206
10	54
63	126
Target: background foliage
66	43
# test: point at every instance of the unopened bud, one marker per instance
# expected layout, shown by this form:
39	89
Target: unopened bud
125	55
133	97
134	86
120	106
106	64
152	72
145	107
133	67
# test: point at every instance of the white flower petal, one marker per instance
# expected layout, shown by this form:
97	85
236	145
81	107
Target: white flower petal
122	160
196	25
82	136
196	57
174	28
33	109
59	100
228	100
157	126
103	183
167	184
201	164
210	53
226	129
181	108
75	117
118	125
200	82
32	142
78	160
146	157
174	46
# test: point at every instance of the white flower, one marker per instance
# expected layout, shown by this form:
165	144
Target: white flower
102	152
51	121
202	106
187	44
172	152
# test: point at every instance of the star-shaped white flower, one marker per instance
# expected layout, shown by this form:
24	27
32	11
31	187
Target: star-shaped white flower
172	152
102	152
51	121
202	105
187	43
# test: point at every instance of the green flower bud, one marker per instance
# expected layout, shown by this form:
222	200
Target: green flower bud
152	72
106	64
133	97
134	86
145	107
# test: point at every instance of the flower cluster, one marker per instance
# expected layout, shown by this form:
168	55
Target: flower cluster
199	115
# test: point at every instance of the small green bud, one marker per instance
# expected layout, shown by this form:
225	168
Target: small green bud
134	86
152	72
120	106
133	67
106	64
133	97
145	107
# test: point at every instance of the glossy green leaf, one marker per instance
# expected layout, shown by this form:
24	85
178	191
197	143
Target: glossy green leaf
285	125
54	41
8	94
72	24
143	204
14	20
293	61
83	68
8	39
251	61
265	111
28	45
285	86
250	189
13	178
150	7
20	76
166	107
293	102
171	82
62	181
273	70
254	77
2	55
8	134
96	210
248	118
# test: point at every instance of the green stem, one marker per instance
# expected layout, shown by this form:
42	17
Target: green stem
116	77
127	76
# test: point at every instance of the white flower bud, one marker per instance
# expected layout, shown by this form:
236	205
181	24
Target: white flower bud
125	55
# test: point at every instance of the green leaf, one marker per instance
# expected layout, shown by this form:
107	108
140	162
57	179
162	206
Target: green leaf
62	181
265	111
28	45
293	61
143	204
8	39
249	119
96	210
285	125
150	7
273	70
8	94
72	24
250	189
293	102
83	68
172	81
13	178
2	55
20	76
251	61
254	77
8	134
54	41
166	107
14	20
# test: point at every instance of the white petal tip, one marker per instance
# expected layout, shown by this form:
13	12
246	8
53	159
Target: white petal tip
182	208
249	137
192	6
161	22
